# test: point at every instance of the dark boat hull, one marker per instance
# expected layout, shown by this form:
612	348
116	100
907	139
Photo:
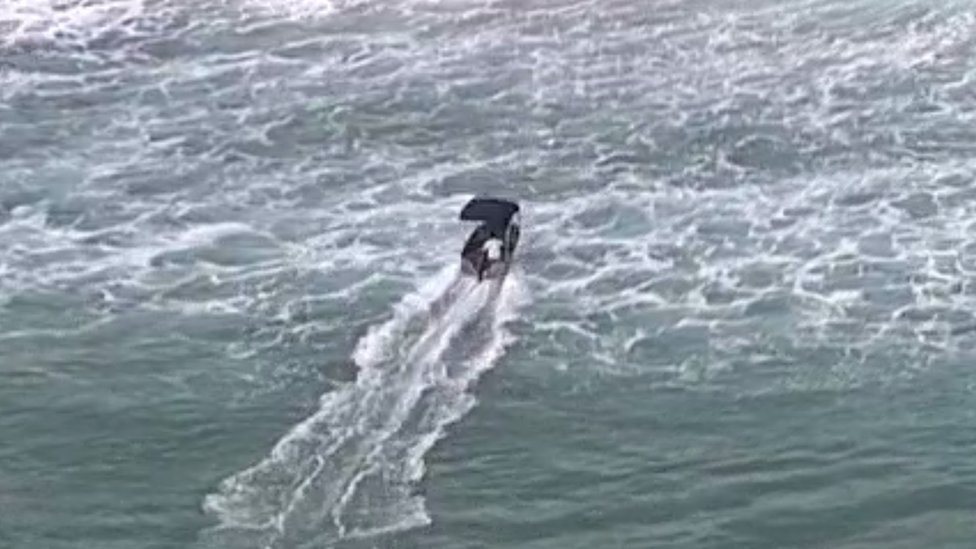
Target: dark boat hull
499	219
496	270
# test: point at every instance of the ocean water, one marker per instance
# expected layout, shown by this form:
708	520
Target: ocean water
742	314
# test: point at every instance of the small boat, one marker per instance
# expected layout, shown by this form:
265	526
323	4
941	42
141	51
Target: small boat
490	248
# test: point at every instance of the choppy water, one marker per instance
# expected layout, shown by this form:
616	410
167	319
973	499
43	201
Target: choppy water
743	315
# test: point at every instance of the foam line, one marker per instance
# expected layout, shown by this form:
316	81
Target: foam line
376	345
348	470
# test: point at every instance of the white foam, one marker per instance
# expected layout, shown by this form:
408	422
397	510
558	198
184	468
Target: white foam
651	218
53	20
808	279
376	345
348	470
326	8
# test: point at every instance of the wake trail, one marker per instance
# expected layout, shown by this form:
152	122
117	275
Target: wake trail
350	469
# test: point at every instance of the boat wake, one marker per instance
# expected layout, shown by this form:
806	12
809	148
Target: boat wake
349	470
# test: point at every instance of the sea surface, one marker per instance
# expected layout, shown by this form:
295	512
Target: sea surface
743	314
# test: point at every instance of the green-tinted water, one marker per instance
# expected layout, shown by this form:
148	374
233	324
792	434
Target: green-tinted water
742	316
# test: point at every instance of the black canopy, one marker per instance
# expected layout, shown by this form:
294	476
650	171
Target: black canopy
494	212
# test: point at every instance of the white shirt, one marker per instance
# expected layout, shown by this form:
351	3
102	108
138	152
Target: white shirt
494	248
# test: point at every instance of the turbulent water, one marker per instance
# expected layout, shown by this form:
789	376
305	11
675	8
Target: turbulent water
742	314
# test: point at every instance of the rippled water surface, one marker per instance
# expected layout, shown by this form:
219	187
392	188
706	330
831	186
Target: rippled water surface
742	317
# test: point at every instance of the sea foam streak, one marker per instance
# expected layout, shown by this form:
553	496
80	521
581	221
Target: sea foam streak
348	470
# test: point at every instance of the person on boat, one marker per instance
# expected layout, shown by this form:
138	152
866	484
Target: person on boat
492	253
